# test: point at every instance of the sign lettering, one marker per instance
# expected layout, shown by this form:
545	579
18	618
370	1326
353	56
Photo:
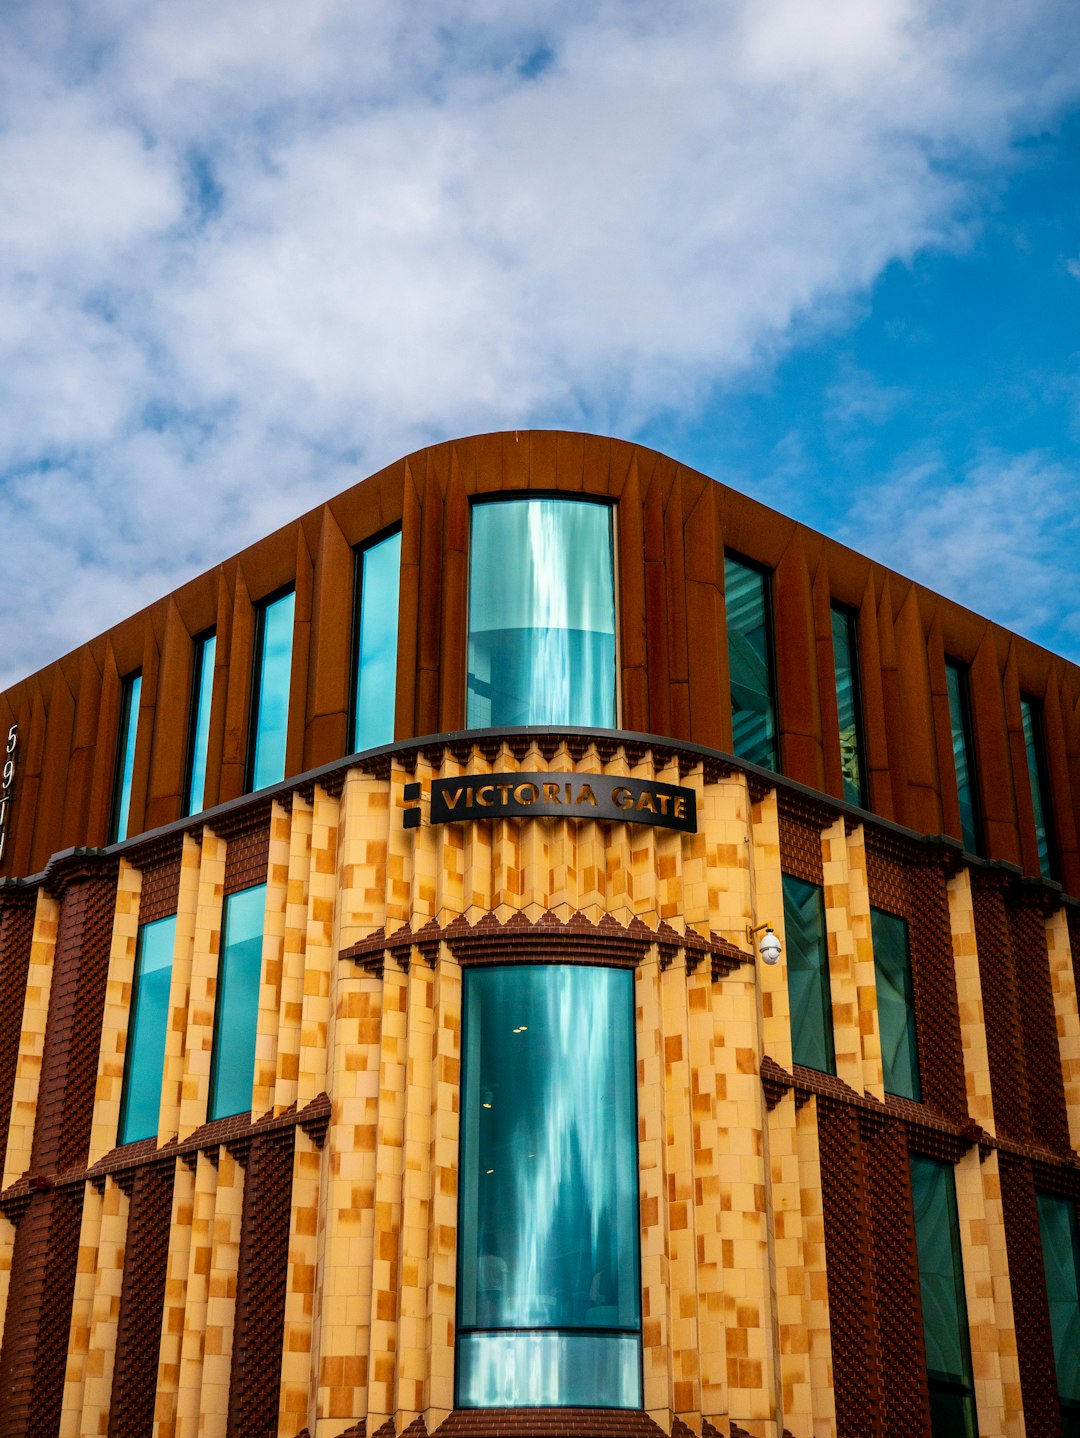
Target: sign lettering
557	796
7	784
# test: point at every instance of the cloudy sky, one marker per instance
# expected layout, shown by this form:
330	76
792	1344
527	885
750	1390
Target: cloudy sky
251	250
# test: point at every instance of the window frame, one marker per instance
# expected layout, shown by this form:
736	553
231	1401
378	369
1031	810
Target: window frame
912	1008
850	615
127	729
967	727
633	1130
260	608
359	551
133	1030
604	501
1038	770
199	642
221	996
769	577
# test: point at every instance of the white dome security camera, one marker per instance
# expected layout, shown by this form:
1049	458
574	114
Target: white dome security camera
769	948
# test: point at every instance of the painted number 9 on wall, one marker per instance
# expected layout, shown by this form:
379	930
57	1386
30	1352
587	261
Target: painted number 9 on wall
7	783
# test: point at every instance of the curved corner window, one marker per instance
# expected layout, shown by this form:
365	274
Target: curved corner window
270	691
541	614
147	1027
202	690
375	625
549	1286
753	689
125	756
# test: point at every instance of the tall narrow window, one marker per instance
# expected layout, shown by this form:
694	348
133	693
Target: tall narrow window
896	1004
753	693
541	614
1061	1260
147	1025
963	747
1031	713
270	691
809	997
236	1014
202	689
849	709
549	1289
944	1309
130	694
375	624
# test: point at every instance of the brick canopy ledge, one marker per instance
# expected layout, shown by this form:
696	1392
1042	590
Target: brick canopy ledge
142	848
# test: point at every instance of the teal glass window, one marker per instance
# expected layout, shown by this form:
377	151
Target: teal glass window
849	709
378	574
809	997
753	692
1031	713
541	614
896	1004
236	1013
202	689
144	1062
549	1284
963	747
944	1308
270	691
130	694
1061	1261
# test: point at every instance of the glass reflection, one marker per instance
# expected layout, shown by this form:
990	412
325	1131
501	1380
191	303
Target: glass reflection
963	745
236	1014
377	632
809	996
541	614
845	664
896	1004
145	1060
125	759
1031	714
753	707
548	1230
271	697
1061	1263
202	688
944	1309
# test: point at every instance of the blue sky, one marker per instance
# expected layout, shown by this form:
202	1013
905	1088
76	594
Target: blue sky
249	253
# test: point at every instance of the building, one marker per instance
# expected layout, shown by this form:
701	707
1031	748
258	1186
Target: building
384	1033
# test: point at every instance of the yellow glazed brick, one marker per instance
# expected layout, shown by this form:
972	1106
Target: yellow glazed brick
768	907
193	1342
684	1387
273	962
296	1409
172	1084
1063	981
848	1017
221	1297
970	1002
105	1310
413	1237
652	1190
989	1301
20	1138
82	1313
116	1013
172	1319
443	1166
319	950
815	1284
873	1081
202	993
294	957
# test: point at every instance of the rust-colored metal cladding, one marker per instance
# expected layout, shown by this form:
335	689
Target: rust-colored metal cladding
275	1161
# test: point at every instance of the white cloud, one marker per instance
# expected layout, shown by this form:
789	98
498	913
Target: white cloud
1002	538
249	250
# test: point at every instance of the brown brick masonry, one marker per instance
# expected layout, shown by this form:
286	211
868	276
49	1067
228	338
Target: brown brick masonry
16	933
142	1297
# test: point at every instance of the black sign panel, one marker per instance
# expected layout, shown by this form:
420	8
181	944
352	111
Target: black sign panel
557	796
